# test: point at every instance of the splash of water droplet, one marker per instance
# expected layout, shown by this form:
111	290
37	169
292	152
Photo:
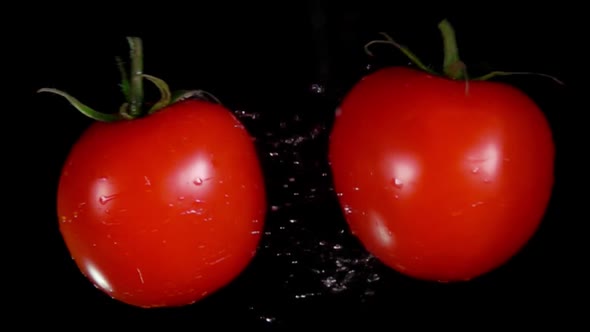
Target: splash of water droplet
317	88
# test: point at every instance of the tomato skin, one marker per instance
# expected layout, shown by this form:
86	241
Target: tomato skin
439	183
165	209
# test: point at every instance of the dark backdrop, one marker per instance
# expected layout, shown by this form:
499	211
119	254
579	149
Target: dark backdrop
283	67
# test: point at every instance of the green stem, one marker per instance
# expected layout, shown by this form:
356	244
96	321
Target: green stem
406	51
124	78
132	87
89	112
136	80
510	73
453	67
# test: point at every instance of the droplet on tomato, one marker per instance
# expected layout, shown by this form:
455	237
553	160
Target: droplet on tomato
398	183
192	212
104	199
198	181
347	210
476	204
475	170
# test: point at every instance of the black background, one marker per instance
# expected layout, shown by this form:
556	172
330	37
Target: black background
264	61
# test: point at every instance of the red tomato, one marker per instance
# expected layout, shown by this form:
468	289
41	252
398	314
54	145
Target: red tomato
164	209
437	182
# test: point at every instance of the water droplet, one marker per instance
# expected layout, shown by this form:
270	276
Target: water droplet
317	88
475	170
398	183
255	232
324	174
181	198
329	281
347	210
192	212
106	198
396	196
274	208
373	277
476	204
273	154
356	188
148	183
339	194
292	221
337	247
198	181
245	114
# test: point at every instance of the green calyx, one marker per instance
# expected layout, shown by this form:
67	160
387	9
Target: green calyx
132	88
452	68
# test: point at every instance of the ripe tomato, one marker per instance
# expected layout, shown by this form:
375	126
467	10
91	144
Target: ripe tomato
437	182
164	209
